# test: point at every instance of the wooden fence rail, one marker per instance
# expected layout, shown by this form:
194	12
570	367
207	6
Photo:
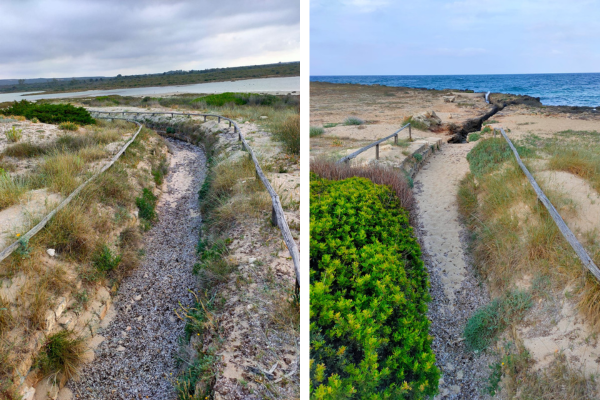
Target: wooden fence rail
25	238
277	215
564	229
376	144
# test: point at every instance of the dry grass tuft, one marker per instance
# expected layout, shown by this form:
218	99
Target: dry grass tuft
62	353
60	172
382	176
11	189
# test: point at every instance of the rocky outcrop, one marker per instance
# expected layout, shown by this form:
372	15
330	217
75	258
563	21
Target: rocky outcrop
428	118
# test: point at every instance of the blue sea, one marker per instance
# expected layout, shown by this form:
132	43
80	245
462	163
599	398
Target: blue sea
552	89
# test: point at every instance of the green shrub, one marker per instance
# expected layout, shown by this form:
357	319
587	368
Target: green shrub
316	131
488	154
160	171
368	296
146	205
240	99
104	260
418	157
50	113
353	121
35	120
487	322
330	125
473	137
68	126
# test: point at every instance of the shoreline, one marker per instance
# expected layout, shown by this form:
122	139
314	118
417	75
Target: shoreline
572	108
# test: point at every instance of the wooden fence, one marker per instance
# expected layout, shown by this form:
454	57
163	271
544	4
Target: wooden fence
277	215
25	238
564	229
376	144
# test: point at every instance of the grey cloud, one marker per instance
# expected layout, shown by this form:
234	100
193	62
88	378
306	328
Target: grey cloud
95	37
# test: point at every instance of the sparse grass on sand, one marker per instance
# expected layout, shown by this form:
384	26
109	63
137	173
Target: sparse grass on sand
11	189
512	235
82	233
316	131
14	135
353	121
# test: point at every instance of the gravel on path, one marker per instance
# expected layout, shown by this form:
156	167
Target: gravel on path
455	289
137	358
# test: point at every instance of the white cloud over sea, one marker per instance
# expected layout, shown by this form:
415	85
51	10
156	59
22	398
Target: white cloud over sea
379	37
66	38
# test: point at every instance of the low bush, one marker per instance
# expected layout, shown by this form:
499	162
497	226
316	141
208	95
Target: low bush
146	205
330	125
50	113
368	296
104	260
487	322
288	132
473	137
239	99
316	131
488	154
68	126
25	150
14	135
353	121
61	353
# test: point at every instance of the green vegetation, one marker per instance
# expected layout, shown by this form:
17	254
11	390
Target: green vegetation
369	294
489	154
240	99
487	322
415	124
492	121
161	79
288	133
330	125
61	353
104	260
50	113
11	189
316	131
146	205
473	137
353	121
14	135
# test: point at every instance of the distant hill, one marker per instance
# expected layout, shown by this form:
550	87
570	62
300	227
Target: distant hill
8	82
179	77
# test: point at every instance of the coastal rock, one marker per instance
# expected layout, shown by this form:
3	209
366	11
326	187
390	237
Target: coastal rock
449	99
429	118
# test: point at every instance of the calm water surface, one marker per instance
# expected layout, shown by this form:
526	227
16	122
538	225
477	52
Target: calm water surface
288	84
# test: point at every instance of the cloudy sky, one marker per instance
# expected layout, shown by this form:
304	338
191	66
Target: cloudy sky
66	38
401	37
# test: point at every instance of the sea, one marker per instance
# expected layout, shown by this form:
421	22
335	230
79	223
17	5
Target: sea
581	89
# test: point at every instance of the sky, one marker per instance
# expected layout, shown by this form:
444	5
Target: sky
68	38
437	37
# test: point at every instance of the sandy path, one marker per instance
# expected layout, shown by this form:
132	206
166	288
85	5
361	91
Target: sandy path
455	291
137	355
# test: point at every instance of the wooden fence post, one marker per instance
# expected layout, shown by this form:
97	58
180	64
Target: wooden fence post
377	151
205	118
409	134
273	216
396	139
